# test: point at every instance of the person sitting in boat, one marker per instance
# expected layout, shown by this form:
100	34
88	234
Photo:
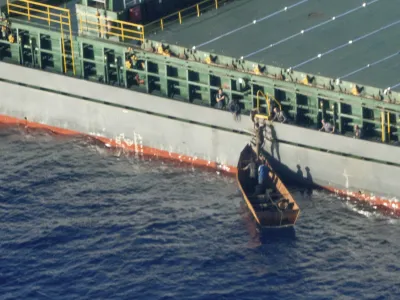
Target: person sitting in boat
279	116
327	127
220	98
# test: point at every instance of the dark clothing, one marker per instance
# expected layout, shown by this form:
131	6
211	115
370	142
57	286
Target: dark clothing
271	108
280	117
253	115
259	138
221	102
260	133
234	107
263	172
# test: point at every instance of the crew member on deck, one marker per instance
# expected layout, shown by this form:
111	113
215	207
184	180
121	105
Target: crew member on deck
327	127
357	132
279	115
220	98
3	32
253	118
259	137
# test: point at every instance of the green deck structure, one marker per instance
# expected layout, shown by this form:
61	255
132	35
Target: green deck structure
164	62
276	39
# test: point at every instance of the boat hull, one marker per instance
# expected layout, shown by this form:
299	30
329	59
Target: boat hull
265	212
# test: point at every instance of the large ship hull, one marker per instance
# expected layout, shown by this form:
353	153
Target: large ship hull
151	125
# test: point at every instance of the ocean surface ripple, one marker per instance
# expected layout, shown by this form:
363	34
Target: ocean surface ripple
81	221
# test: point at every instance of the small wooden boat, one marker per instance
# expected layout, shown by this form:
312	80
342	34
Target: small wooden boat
271	203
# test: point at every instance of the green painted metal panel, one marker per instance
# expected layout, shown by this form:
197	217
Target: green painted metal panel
186	76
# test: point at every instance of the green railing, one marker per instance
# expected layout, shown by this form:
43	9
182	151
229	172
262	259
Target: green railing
181	15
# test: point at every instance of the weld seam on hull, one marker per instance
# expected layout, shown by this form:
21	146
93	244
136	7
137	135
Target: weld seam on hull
338	153
126	107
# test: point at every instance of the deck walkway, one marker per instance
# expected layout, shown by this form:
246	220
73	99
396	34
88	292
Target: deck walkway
276	37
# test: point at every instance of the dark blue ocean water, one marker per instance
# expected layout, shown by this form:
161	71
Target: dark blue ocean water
80	221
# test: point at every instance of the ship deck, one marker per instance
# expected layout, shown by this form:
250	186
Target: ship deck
355	43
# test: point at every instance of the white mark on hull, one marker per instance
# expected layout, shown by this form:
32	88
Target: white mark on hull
137	142
96	134
347	185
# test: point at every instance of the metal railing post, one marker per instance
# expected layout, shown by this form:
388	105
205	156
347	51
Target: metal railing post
388	125
63	45
162	24
322	110
258	100
71	43
216	4
383	126
29	11
180	17
122	32
198	10
268	102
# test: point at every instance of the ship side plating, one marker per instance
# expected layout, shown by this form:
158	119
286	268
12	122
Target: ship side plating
117	91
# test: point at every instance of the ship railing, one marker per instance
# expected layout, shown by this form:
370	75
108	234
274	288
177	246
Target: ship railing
268	102
104	27
178	17
44	13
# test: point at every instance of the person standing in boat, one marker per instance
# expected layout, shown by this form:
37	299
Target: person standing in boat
252	167
263	176
263	173
259	131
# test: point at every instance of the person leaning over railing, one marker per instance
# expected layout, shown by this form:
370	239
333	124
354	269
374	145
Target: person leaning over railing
327	127
279	116
357	132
